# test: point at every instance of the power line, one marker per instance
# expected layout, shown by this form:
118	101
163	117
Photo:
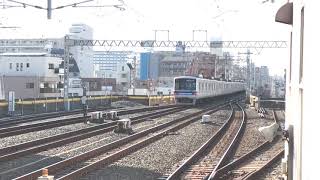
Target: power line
49	8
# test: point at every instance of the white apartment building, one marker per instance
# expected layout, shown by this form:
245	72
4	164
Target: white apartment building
82	54
31	75
106	62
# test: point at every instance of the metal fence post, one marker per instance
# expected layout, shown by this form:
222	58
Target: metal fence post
21	106
71	104
46	104
57	104
34	105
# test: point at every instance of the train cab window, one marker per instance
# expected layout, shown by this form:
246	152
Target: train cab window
185	84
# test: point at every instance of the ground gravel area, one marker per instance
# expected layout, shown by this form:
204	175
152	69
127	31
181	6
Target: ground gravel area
274	172
14	140
162	156
252	138
22	138
26	164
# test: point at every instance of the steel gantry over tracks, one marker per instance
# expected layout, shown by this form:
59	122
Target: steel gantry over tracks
68	43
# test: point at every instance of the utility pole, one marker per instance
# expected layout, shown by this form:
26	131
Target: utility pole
134	74
66	73
49	9
248	71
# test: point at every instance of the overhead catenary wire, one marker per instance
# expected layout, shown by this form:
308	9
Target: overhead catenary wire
49	7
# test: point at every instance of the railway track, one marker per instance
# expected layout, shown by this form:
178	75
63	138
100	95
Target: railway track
19	150
214	153
7	122
28	119
84	163
251	164
17	130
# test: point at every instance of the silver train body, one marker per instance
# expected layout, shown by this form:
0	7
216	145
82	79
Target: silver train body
191	90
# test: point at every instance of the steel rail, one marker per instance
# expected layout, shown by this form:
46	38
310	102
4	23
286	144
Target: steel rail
17	130
228	153
265	146
262	148
209	144
32	147
30	118
132	148
54	168
225	169
275	158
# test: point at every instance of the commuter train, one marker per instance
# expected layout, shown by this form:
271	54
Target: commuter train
192	90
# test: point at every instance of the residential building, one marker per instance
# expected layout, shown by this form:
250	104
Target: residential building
83	55
31	75
1	89
106	62
202	63
99	86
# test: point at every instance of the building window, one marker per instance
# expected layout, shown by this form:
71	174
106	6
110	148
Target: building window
21	66
51	66
17	66
10	65
30	85
122	68
28	65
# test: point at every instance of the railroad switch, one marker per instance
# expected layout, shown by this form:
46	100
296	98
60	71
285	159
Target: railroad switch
45	175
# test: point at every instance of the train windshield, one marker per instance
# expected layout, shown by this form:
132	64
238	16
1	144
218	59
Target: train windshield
185	84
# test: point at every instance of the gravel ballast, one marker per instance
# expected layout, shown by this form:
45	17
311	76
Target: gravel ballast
55	154
162	156
13	140
252	138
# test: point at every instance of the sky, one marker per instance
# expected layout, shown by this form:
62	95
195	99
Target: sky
249	20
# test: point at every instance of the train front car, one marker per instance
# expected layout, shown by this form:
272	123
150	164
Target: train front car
185	90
